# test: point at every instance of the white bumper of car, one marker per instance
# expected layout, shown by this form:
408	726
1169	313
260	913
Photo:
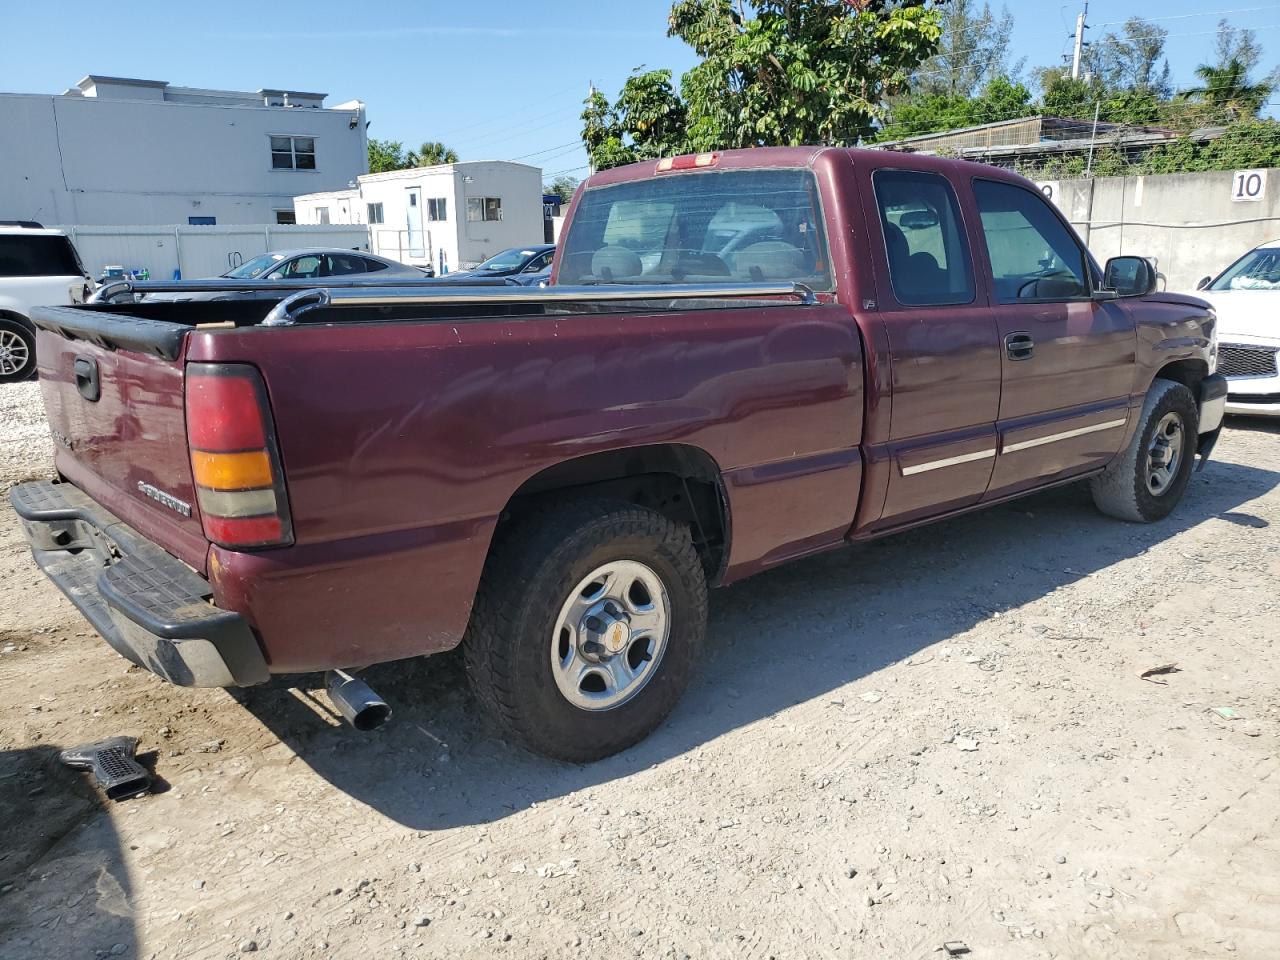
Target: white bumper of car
1252	368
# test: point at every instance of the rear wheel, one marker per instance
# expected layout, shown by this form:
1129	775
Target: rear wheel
17	351
587	626
1147	480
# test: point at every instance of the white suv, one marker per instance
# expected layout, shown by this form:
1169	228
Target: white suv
37	267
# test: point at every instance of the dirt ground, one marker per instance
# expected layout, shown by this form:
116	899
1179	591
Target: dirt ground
939	737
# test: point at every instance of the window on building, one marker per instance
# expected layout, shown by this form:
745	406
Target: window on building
202	221
375	212
322	214
286	216
484	208
438	209
293	153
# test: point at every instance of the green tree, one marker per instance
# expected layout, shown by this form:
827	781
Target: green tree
1132	60
563	187
1236	44
602	133
798	71
774	72
1227	91
431	154
999	99
387	155
974	48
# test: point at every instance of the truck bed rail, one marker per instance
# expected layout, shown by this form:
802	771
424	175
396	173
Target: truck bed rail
288	310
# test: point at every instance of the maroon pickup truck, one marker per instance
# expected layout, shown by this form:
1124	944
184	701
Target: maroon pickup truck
743	358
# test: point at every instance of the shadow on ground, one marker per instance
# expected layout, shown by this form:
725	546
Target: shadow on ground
777	639
51	820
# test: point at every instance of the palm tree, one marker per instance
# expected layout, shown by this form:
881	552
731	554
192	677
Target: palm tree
433	153
1226	87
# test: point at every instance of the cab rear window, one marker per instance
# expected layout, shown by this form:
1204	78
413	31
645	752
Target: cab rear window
732	226
38	256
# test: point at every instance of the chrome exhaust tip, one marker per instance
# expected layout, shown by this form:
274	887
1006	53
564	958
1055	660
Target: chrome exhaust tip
356	701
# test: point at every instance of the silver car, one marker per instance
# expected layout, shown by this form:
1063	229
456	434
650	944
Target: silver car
304	268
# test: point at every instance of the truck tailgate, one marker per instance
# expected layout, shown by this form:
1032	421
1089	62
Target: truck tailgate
117	418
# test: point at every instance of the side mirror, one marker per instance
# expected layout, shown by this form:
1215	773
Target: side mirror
1204	282
1129	276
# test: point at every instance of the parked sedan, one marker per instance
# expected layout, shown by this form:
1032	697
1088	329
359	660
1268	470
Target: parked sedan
300	268
1246	297
517	261
316	264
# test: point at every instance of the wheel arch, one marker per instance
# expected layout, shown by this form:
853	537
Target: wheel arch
680	481
21	319
1189	372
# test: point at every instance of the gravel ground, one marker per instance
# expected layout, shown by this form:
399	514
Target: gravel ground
25	447
939	737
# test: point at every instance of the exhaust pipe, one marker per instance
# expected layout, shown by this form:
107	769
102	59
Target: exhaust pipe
356	701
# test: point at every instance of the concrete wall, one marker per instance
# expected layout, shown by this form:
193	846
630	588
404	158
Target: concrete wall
199	251
93	160
1191	224
462	242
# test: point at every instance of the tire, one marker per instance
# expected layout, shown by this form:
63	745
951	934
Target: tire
17	351
533	591
1126	489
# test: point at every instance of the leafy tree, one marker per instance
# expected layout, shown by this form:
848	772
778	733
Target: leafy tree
974	48
432	154
563	187
774	72
1236	44
799	71
651	115
602	133
1132	61
1227	91
387	155
1000	99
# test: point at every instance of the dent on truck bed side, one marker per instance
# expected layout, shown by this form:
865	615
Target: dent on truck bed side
402	443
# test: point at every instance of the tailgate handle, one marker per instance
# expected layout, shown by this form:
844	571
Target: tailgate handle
87	380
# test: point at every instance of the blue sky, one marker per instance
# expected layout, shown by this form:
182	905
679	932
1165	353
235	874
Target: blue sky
501	80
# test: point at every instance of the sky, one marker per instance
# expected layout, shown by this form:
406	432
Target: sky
496	81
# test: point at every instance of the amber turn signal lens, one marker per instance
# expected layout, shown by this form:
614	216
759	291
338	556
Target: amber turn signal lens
232	471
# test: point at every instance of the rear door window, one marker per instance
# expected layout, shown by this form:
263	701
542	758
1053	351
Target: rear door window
924	239
38	255
341	265
731	226
1033	256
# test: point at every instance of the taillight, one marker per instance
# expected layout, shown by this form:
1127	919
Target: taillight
234	457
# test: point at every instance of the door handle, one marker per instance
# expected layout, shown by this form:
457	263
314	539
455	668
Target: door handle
1019	346
88	381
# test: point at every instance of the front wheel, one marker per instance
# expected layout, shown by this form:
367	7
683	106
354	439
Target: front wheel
587	626
17	351
1148	478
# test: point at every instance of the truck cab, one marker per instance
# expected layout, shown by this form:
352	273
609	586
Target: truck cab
743	358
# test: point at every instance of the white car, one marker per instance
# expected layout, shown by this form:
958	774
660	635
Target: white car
1246	297
38	267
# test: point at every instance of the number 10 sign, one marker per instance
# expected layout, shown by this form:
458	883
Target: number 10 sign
1248	185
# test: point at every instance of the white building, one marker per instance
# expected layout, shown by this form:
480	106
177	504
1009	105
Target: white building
457	214
113	150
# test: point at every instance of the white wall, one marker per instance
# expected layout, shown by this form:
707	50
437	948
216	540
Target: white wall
198	251
464	243
1192	224
91	160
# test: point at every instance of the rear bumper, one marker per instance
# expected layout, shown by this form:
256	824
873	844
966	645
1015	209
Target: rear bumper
149	606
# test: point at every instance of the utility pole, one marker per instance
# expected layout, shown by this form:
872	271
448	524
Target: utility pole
1080	29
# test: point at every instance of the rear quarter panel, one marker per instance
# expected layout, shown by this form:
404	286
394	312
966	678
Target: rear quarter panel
402	442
